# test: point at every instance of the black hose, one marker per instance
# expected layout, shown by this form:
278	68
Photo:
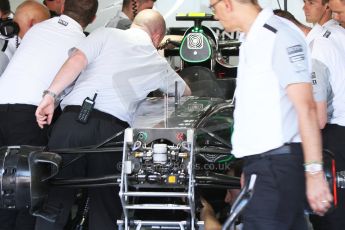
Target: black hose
90	185
87	150
214	150
112	180
86	181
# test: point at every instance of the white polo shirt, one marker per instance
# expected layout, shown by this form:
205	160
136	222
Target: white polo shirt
328	58
273	55
337	33
123	68
40	55
313	33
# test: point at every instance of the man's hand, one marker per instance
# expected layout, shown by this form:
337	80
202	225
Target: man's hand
45	110
208	216
318	193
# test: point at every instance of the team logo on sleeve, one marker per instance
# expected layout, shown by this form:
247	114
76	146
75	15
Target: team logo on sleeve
295	53
297	57
295	49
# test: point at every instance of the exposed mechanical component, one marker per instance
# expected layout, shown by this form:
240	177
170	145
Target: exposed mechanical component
159	164
24	175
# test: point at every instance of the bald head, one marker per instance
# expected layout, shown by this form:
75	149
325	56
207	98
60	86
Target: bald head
153	23
28	14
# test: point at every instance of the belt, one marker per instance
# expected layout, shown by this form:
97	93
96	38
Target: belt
17	108
96	114
291	148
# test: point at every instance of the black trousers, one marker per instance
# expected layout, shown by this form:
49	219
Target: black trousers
105	206
279	193
18	126
333	139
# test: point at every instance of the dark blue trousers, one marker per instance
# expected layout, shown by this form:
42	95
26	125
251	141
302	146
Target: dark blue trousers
279	193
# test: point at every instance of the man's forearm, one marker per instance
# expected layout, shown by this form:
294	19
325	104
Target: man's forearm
311	136
68	72
322	113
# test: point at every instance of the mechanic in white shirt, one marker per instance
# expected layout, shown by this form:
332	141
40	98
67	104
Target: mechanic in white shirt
27	14
42	51
130	8
319	14
274	113
118	69
327	44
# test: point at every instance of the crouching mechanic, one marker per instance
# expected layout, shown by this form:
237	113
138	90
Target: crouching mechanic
121	67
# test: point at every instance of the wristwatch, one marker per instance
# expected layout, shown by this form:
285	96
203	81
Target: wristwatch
313	168
50	93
